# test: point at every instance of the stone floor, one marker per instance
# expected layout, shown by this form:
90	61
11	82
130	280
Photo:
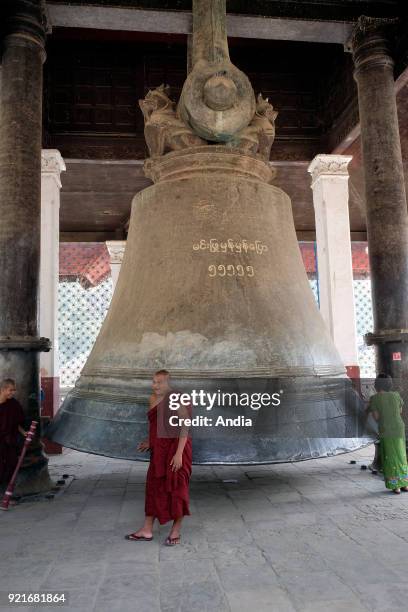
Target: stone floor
318	536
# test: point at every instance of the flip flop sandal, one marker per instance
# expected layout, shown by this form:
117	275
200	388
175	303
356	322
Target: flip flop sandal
172	541
132	536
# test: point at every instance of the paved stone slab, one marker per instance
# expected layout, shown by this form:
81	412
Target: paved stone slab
272	599
316	536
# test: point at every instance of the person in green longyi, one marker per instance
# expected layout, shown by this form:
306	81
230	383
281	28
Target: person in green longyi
386	408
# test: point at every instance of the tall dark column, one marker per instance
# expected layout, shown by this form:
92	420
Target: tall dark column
20	194
387	219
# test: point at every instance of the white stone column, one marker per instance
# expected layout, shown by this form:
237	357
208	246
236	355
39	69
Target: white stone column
116	250
52	165
330	197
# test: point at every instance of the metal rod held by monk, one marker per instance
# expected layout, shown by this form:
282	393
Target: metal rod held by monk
9	491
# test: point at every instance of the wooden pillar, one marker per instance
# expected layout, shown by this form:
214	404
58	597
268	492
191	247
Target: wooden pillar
387	219
20	193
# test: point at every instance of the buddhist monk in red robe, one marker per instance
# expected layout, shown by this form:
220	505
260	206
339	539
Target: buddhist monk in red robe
11	424
168	476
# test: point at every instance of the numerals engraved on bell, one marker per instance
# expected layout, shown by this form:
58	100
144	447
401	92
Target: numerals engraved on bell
230	270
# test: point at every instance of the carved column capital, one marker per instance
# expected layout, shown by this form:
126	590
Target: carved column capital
370	44
52	164
329	166
26	23
116	250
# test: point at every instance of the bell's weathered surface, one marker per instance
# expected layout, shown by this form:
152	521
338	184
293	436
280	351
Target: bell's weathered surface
213	288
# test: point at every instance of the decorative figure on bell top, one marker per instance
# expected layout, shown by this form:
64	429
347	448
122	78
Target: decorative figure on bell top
164	131
257	138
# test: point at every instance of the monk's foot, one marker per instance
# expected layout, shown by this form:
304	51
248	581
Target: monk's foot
173	538
396	491
141	535
404	489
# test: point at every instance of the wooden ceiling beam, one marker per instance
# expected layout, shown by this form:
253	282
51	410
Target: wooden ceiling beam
180	22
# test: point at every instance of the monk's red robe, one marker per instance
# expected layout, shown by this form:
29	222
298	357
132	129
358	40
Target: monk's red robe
11	416
167	492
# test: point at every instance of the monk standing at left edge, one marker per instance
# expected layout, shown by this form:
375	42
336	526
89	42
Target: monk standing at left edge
168	476
11	425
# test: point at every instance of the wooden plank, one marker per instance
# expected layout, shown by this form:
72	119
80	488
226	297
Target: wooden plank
87	236
180	22
310	236
302	235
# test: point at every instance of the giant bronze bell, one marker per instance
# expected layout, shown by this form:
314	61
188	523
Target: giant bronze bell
212	286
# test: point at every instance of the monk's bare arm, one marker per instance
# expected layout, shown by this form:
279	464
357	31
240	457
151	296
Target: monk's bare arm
181	444
177	460
143	446
183	413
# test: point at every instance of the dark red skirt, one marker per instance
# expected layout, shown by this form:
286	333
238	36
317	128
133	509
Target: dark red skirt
167	492
8	462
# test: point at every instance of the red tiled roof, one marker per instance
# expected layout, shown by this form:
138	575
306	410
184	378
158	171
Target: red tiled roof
359	255
86	261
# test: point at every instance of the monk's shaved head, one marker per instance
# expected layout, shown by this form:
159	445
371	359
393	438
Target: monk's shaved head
7	389
162	373
161	383
7	382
